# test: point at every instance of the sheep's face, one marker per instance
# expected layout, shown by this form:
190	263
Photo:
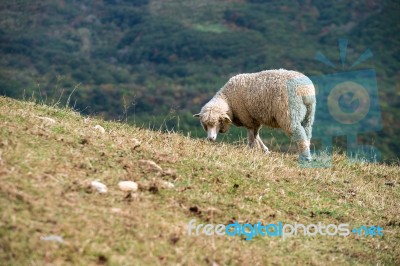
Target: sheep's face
214	124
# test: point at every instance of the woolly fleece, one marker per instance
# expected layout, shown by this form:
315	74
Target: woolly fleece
276	98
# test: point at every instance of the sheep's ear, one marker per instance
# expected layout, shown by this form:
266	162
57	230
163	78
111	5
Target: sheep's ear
227	119
196	115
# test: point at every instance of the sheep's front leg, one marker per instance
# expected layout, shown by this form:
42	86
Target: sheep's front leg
265	148
260	142
250	138
255	140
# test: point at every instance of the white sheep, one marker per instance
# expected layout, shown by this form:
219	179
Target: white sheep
275	98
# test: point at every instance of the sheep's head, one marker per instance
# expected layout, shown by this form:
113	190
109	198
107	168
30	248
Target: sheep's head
214	122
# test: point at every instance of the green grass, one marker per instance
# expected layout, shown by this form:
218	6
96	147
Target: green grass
46	169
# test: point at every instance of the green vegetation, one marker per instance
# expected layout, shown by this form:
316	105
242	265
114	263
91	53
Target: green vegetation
46	169
164	59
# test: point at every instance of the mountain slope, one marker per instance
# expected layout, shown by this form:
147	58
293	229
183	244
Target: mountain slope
46	168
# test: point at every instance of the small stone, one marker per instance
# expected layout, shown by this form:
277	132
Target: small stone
100	129
53	238
150	165
167	184
116	210
135	143
128	186
100	187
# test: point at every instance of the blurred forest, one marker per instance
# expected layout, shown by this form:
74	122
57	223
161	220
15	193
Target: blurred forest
154	63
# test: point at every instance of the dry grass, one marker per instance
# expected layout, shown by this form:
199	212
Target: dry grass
46	169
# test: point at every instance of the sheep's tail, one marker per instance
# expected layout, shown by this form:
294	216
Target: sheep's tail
309	102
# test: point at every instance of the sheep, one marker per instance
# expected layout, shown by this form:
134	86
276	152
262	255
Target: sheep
276	98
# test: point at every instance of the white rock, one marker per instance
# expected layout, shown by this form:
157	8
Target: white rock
116	210
100	129
128	186
100	187
53	238
167	184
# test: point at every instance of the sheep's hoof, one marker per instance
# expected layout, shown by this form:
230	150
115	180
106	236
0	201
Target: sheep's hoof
303	158
267	152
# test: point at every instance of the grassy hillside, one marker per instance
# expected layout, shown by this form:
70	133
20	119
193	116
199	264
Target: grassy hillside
46	168
163	59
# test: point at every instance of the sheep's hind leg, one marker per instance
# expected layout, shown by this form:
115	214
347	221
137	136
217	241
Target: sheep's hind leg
300	137
309	120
